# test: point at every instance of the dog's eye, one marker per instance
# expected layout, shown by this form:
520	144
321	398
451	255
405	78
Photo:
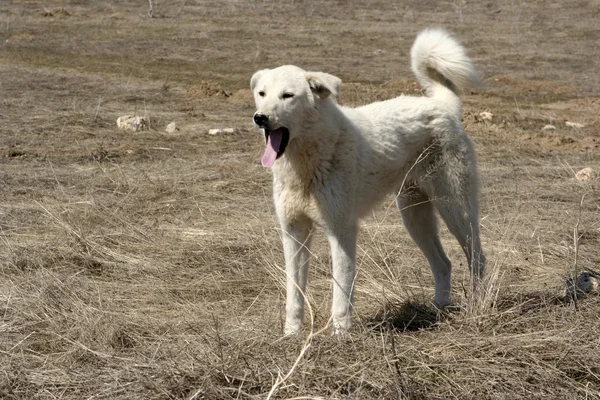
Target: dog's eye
287	95
261	93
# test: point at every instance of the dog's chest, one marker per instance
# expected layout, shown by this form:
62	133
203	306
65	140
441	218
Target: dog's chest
295	202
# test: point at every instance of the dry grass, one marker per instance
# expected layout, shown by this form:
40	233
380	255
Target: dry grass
148	265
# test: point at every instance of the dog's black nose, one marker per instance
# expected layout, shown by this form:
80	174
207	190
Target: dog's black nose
261	120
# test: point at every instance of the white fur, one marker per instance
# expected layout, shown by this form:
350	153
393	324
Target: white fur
341	162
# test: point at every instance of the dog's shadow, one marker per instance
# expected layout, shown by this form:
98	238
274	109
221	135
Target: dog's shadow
408	316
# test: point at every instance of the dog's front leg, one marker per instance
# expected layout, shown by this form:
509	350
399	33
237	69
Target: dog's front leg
342	239
296	249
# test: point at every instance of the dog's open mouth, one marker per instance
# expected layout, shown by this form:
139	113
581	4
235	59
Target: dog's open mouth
277	140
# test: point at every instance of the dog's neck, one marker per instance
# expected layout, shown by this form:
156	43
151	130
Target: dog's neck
308	157
302	165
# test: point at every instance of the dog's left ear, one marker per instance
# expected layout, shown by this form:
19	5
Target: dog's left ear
256	77
323	84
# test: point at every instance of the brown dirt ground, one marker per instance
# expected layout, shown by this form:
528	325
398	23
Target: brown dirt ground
148	265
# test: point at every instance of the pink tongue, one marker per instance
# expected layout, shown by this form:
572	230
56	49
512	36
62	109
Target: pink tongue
273	143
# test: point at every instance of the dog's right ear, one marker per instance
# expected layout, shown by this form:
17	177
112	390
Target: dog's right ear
256	77
323	84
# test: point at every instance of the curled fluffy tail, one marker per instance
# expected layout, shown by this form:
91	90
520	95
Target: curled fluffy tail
441	64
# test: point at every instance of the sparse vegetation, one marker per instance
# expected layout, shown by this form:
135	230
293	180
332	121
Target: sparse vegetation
148	265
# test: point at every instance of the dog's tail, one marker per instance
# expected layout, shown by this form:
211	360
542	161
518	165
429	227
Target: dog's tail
442	66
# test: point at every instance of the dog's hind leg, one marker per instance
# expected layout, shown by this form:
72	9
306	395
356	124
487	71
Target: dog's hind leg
420	221
296	249
462	220
454	191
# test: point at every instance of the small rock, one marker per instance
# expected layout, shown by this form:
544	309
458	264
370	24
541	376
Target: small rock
574	125
171	128
486	116
221	131
586	174
132	123
24	37
548	128
409	15
586	283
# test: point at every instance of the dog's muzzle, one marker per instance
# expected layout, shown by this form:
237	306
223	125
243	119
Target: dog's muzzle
276	140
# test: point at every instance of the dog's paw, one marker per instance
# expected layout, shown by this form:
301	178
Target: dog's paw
341	326
442	302
291	329
450	308
339	331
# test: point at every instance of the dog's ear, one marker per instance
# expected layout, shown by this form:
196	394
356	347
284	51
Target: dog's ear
323	84
256	77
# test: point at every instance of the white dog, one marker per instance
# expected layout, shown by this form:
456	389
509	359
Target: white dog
332	165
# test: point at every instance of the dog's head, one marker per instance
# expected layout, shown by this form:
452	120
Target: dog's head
287	101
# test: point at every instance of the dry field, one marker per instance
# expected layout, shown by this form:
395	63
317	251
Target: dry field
148	265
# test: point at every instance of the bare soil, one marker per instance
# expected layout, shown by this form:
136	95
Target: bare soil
148	265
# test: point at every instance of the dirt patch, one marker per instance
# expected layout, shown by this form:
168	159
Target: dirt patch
206	89
56	12
530	90
242	96
359	93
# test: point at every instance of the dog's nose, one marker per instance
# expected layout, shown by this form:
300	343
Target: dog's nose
261	120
